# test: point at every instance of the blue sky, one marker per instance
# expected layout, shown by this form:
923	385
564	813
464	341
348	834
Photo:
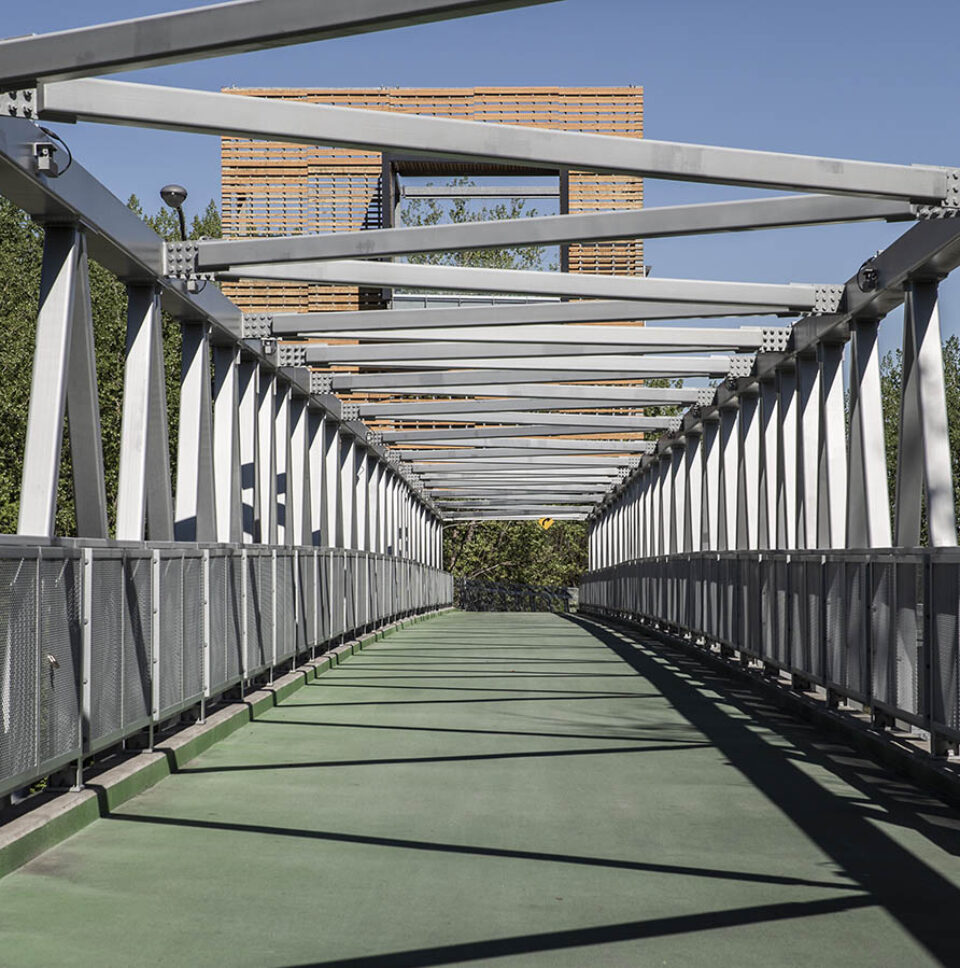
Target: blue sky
850	79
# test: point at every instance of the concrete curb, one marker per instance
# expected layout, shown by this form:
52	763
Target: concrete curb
895	749
49	823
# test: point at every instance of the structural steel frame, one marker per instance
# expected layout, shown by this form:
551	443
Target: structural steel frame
758	478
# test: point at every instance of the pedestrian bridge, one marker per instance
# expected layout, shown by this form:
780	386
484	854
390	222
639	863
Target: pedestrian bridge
505	789
628	785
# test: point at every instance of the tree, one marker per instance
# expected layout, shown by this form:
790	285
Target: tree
21	251
428	211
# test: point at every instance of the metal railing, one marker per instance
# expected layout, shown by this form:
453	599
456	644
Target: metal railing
879	627
100	642
488	596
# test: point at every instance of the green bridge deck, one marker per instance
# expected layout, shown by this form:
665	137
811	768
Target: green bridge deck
506	789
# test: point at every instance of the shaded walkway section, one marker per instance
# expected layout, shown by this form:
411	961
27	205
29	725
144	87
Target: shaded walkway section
505	789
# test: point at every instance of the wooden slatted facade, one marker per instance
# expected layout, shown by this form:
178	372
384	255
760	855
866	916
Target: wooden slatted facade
270	188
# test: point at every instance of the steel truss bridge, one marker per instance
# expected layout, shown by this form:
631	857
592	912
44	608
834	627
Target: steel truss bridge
756	522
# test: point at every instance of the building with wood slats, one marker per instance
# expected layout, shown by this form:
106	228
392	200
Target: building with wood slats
273	188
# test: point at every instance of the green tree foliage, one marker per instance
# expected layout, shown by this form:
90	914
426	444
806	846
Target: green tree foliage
517	551
430	211
891	387
21	251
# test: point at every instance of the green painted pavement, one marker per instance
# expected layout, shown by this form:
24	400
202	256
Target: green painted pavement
505	789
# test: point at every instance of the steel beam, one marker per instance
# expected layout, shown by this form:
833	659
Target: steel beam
450	492
518	448
180	109
512	516
513	314
248	382
83	412
868	499
502	480
601	338
494	500
572	423
646	223
616	366
479	191
582	395
923	458
477	411
646	341
522	462
435	379
484	433
144	498
799	297
196	508
216	30
48	391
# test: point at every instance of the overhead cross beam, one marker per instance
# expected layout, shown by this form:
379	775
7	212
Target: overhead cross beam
474	410
523	446
178	109
374	321
645	340
576	422
603	464
795	296
215	31
647	223
652	338
568	423
543	369
476	435
573	395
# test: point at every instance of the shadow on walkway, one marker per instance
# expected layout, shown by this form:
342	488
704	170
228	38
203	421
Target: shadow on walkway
919	898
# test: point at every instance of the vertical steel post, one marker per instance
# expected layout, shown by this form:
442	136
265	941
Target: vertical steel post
710	516
868	500
83	410
360	490
767	484
285	484
227	472
267	469
248	380
678	476
299	471
195	518
315	457
48	391
786	456
729	444
348	490
748	476
144	498
693	494
808	446
662	508
333	529
832	455
924	454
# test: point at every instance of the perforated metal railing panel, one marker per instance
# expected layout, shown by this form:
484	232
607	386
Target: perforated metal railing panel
106	649
171	663
87	660
879	627
18	665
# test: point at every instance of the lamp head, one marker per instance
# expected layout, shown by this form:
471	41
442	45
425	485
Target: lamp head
174	195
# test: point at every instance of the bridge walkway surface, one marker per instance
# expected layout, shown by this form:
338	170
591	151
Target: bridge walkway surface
506	789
